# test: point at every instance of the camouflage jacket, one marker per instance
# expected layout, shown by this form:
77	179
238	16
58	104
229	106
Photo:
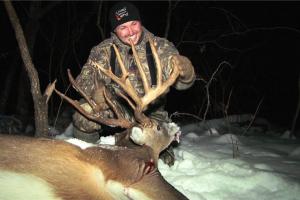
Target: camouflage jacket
102	55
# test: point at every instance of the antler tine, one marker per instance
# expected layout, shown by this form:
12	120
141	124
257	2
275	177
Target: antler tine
81	92
161	87
126	99
140	68
158	64
123	82
108	98
122	66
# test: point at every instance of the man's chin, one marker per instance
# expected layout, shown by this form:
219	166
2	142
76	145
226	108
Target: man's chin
133	41
127	41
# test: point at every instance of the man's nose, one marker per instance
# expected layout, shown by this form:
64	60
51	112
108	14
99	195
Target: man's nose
130	31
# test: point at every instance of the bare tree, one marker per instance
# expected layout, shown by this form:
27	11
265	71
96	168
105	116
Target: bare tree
40	101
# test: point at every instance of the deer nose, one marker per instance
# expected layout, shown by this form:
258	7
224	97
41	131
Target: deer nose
177	136
158	127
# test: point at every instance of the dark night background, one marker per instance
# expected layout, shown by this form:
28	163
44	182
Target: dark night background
258	42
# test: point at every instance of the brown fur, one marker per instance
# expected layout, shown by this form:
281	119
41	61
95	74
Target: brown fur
73	172
57	162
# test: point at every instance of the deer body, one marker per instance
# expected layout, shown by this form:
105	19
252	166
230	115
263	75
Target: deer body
69	172
32	168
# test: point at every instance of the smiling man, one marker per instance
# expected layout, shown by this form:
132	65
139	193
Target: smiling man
126	25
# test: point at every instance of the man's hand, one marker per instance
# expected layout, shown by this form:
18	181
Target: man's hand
186	69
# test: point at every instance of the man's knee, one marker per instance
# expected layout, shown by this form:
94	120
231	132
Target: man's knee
91	137
85	129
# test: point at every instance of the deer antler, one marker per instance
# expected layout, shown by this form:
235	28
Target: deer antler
151	93
137	102
95	114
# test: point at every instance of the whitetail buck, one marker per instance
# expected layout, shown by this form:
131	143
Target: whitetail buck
51	169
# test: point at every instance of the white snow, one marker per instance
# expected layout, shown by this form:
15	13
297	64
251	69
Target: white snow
264	167
214	166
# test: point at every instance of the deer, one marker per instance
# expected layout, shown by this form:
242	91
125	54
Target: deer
43	168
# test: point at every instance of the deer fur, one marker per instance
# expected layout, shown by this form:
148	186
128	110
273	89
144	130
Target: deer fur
65	171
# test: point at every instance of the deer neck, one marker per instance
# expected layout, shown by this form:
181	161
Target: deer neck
147	152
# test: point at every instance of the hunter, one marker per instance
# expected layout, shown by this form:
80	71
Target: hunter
126	25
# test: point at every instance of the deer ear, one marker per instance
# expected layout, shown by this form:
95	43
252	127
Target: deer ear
137	135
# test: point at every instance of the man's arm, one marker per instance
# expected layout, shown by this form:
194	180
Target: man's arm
86	78
86	81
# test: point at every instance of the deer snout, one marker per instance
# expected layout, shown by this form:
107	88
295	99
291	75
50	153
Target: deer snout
173	131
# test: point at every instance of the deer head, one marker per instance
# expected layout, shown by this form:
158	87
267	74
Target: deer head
143	130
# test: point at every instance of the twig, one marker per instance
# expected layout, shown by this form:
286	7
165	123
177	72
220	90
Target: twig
227	104
253	117
296	113
226	111
183	33
208	85
239	33
98	24
60	105
230	15
235	147
185	114
169	16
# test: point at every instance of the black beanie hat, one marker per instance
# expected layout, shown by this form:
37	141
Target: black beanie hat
123	12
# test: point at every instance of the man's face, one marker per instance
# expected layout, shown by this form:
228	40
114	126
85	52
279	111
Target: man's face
129	30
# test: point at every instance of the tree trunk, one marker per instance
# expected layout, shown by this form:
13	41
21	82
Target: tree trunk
40	105
24	100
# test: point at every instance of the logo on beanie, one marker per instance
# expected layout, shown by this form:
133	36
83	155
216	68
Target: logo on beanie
121	13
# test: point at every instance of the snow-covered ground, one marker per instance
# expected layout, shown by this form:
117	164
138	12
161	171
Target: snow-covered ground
263	167
214	166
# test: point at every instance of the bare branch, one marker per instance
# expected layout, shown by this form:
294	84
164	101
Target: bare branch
49	90
297	112
99	13
208	85
253	117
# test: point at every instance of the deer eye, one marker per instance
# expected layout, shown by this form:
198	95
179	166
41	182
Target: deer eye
158	127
